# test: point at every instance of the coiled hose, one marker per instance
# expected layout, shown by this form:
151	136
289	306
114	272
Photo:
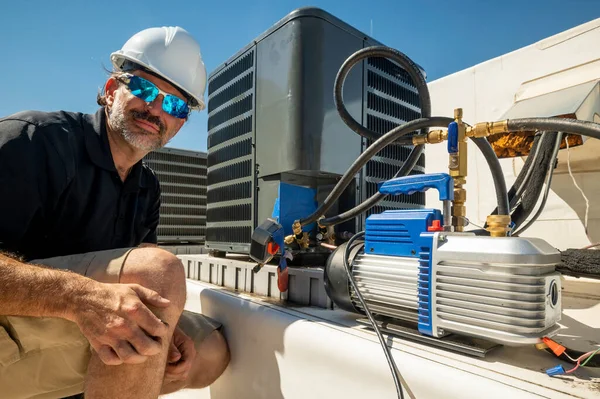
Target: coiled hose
419	81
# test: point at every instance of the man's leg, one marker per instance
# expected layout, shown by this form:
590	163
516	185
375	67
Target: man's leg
212	352
60	355
162	272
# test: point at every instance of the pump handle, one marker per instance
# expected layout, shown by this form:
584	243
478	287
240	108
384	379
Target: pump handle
415	183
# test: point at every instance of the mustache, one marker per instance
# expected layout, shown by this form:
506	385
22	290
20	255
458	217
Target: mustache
145	115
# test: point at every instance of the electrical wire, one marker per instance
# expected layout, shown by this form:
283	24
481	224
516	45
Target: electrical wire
587	202
386	350
587	356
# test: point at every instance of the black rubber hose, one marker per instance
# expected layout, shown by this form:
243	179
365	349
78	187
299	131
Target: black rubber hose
386	52
406	168
522	180
545	160
497	175
534	171
574	126
383	141
425	102
548	180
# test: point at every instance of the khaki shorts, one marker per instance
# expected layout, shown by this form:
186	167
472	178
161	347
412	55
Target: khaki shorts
48	357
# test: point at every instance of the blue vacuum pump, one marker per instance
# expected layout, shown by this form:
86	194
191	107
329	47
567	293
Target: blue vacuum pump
501	289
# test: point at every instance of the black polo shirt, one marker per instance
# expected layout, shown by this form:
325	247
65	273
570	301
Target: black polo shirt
60	192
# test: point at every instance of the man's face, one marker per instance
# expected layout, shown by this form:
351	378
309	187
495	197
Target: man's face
144	126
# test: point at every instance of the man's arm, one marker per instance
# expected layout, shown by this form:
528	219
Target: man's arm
29	290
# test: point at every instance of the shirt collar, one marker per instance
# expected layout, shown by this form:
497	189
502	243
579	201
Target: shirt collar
98	148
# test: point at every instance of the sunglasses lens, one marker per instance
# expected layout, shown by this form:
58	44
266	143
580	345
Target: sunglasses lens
175	106
147	91
142	89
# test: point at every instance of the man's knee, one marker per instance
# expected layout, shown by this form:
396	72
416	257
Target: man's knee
211	360
158	270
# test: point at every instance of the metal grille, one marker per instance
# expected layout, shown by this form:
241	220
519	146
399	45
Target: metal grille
391	100
182	177
230	211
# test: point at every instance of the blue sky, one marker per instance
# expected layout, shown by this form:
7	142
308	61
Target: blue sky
53	52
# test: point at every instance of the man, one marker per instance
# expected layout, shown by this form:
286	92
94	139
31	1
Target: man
87	300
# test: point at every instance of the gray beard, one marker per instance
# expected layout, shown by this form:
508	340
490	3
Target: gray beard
118	122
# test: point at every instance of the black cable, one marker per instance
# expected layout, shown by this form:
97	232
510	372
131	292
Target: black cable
523	179
386	52
389	137
395	372
536	166
498	177
364	206
549	174
526	204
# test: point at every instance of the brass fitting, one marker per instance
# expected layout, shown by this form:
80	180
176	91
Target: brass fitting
300	236
297	227
433	137
303	240
330	235
485	129
457	168
498	225
288	239
457	164
459	210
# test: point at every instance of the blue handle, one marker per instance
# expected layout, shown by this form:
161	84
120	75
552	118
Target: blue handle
453	138
412	184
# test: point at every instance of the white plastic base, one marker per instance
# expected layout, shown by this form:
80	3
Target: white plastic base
280	351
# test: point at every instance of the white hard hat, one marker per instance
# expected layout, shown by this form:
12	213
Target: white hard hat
170	52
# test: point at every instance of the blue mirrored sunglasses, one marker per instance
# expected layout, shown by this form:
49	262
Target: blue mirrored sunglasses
147	91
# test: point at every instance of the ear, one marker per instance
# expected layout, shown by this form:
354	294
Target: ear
110	87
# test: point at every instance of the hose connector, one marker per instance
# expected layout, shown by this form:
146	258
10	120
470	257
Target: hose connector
433	137
297	227
498	225
325	232
485	129
300	236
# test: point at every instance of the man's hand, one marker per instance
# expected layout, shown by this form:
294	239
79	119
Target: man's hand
181	357
118	324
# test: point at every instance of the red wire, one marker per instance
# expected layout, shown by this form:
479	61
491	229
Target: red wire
579	359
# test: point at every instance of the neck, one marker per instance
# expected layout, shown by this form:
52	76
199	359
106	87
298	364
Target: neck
123	154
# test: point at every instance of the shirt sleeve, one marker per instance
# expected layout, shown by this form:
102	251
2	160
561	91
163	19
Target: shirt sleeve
31	177
153	216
